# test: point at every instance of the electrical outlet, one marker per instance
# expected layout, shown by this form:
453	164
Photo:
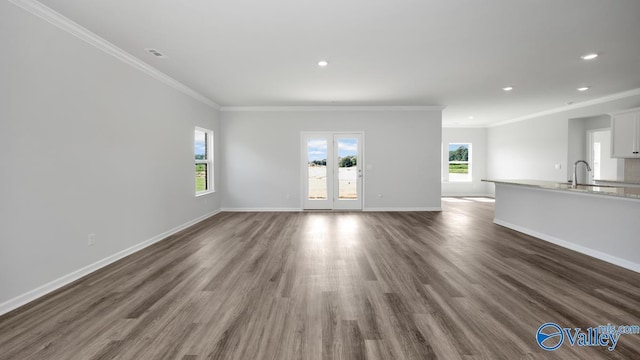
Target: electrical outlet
91	239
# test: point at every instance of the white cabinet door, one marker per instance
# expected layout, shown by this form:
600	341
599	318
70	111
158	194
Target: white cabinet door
625	135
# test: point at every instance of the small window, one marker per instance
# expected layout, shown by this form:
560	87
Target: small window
459	162
203	150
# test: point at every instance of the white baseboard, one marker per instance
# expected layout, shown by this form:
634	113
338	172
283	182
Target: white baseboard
298	209
262	210
467	195
571	246
403	209
34	294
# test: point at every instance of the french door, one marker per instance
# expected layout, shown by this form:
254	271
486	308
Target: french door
332	166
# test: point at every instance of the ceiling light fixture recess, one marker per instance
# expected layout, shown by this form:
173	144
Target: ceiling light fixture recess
589	56
155	53
584	88
323	63
507	88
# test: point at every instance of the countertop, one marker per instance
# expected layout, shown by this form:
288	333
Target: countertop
619	182
605	190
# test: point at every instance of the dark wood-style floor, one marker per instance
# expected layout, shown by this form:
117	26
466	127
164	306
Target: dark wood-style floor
414	285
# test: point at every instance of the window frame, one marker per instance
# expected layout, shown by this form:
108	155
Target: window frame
469	162
209	137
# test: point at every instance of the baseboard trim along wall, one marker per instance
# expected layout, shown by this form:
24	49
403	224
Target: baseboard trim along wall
382	209
404	209
262	210
444	194
571	246
34	294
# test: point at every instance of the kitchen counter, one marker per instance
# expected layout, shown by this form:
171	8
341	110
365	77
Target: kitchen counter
617	182
599	221
631	192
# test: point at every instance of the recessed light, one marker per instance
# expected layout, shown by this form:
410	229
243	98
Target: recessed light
507	88
155	53
470	118
589	56
584	88
323	63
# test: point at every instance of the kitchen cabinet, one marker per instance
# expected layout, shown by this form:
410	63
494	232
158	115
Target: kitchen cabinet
625	134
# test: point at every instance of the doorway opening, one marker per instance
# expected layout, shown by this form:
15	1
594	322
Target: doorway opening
332	170
599	155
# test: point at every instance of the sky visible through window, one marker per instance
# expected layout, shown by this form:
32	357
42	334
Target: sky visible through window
454	147
317	148
200	145
347	147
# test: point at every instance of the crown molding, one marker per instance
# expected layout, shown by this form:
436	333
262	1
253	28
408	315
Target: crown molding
463	126
51	16
331	108
604	99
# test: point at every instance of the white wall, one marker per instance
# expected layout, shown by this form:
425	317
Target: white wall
576	148
529	149
478	139
88	144
261	157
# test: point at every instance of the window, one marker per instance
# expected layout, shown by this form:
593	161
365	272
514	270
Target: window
459	162
203	150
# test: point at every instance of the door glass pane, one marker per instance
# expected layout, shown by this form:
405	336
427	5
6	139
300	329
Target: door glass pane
317	162
347	169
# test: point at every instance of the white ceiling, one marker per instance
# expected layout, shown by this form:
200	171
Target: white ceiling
458	53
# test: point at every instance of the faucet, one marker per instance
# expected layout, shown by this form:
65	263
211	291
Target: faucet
574	181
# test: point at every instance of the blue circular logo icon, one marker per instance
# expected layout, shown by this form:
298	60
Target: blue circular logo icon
549	336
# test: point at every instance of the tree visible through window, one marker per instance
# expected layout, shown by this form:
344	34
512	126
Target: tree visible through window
203	150
459	162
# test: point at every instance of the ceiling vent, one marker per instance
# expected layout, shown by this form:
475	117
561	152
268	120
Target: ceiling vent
155	53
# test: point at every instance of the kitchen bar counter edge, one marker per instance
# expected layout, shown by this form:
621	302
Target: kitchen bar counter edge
601	225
